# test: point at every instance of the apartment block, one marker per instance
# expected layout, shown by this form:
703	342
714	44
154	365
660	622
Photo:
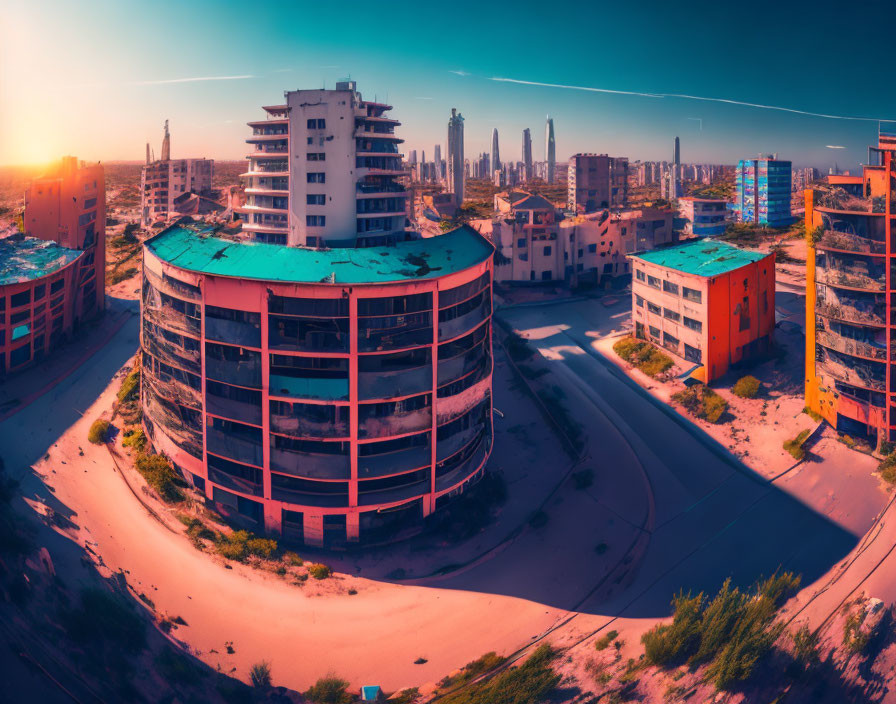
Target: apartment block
705	216
763	191
596	182
711	304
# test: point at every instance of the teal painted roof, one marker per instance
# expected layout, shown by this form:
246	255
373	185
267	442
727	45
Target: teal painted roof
427	258
27	258
701	257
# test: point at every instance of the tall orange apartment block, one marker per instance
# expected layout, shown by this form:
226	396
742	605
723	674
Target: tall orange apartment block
709	303
850	324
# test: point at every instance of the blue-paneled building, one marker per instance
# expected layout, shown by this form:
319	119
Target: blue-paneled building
763	191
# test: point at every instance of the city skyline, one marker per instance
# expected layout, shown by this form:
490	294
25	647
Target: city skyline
633	111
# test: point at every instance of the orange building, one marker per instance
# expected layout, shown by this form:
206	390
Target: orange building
849	305
709	303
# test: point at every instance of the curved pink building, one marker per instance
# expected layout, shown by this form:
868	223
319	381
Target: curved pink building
327	395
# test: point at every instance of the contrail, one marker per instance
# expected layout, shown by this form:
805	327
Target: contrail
834	146
684	96
190	80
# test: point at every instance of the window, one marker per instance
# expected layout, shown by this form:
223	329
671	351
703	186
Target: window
521	242
691	294
547	251
20	299
669	287
669	341
653	281
654	332
39	291
317	177
316	156
692	324
592	247
546	276
692	354
639	275
638	300
671	315
654	308
55	287
315	199
317	124
315	220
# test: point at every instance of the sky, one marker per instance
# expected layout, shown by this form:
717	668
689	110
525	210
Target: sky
98	79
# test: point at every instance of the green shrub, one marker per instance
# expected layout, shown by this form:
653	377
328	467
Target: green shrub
795	445
130	385
746	387
329	690
161	476
319	570
887	469
260	674
855	640
886	447
99	429
604	641
805	645
731	633
701	401
529	683
119	275
262	547
812	414
293	559
643	356
135	439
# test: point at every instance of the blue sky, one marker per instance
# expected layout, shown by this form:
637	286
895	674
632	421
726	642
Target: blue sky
97	79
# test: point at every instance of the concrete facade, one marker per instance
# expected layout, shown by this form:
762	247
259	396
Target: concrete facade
329	409
849	312
712	305
596	182
705	216
54	279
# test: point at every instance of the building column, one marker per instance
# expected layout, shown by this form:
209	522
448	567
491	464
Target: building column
313	525
353	527
352	521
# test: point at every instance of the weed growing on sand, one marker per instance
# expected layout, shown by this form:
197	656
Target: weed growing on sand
329	690
643	356
161	476
99	429
746	387
319	570
795	445
604	641
527	684
731	632
260	674
701	401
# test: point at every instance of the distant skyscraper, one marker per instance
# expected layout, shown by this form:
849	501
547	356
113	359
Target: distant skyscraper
550	153
527	154
166	144
496	154
412	156
762	191
676	153
456	155
437	160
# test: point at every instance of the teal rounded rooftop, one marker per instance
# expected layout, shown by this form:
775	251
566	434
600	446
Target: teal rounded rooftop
203	252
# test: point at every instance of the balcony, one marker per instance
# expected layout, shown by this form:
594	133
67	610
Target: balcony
377	188
232	331
456	367
465	469
303	498
394	384
308	388
400	423
868	375
851	278
850	243
311	465
246	373
299	427
233	410
370	466
393	495
461	439
233	447
848	346
464	316
853	311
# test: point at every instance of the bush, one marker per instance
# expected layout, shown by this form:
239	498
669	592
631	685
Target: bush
262	547
529	683
643	356
701	401
135	439
855	640
130	385
329	690
886	447
812	414
160	475
319	570
293	559
732	632
260	674
604	641
795	446
887	469
98	431
805	645
234	546
119	275
746	387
